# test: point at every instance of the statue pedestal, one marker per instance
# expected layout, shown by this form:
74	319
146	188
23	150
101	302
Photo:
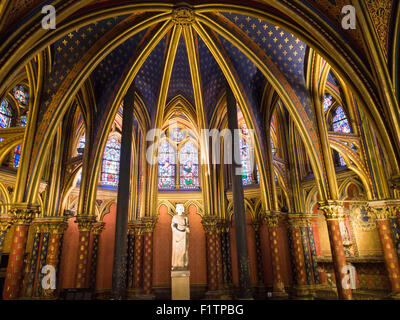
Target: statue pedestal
180	285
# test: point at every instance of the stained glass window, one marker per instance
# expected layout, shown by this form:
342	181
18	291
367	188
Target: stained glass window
81	144
110	169
23	121
189	166
341	161
17	156
328	101
5	115
177	134
166	166
245	155
340	122
20	95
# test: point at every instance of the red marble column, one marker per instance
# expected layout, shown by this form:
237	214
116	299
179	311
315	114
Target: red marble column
210	226
22	216
389	252
148	258
295	223
272	220
85	224
57	230
332	213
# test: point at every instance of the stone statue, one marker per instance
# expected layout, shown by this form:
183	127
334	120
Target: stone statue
180	239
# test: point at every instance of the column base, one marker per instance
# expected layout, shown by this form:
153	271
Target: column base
304	292
279	296
214	295
133	293
146	297
394	296
226	292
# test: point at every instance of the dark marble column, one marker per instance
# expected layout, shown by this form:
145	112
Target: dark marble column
131	257
121	225
245	291
226	256
97	229
31	270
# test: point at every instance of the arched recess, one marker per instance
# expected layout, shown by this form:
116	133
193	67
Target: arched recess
355	165
5	200
374	117
344	186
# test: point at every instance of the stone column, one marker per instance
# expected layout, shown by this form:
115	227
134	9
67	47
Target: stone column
278	287
383	214
85	224
57	230
295	223
97	229
5	224
242	249
210	225
333	212
148	258
22	215
121	224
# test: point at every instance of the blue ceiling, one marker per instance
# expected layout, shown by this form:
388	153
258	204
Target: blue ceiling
69	50
148	80
285	50
212	78
181	80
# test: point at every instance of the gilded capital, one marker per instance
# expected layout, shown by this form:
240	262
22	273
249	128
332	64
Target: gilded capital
272	219
85	223
332	210
139	230
23	214
296	220
5	224
148	224
98	228
209	223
